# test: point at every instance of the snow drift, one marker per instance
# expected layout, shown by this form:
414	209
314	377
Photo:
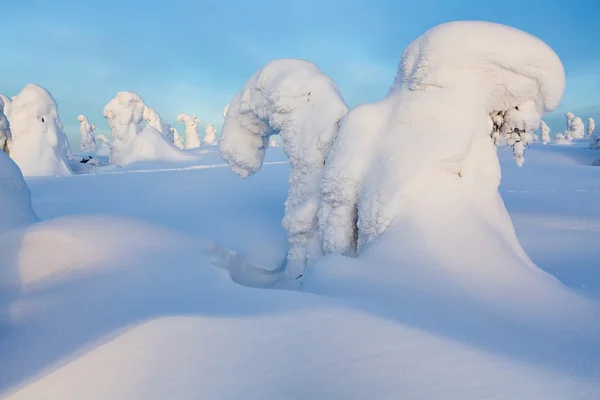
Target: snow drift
293	99
151	145
39	146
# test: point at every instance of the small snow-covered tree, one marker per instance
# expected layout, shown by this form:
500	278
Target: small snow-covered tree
88	138
515	128
273	143
577	128
192	130
177	139
124	114
210	135
545	132
5	135
591	126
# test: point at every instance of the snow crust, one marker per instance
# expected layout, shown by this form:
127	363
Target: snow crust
39	146
124	114
295	100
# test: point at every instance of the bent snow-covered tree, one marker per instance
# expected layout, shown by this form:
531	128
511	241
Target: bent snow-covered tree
88	138
5	136
192	130
38	143
124	114
294	99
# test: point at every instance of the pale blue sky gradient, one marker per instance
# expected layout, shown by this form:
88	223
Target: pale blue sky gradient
193	56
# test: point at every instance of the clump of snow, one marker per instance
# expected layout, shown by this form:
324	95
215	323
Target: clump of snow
88	138
177	139
39	146
7	101
294	99
151	145
15	198
5	136
210	135
192	130
545	132
125	116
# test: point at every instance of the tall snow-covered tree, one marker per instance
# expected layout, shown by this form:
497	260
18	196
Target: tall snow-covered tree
192	130
124	114
545	132
177	139
88	137
210	135
5	136
591	126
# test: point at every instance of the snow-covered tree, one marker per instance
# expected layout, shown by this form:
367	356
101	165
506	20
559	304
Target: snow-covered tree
88	138
38	143
273	143
591	126
5	136
103	146
210	135
192	130
410	168
225	111
294	99
177	139
545	132
124	114
576	128
154	120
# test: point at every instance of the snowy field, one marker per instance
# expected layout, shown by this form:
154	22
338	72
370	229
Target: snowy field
119	296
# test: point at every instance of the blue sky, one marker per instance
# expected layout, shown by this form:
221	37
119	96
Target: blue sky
193	56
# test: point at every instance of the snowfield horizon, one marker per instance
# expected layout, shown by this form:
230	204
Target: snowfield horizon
429	245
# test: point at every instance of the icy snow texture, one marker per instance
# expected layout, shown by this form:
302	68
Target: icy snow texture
545	132
88	139
15	199
210	135
192	130
177	139
5	136
125	116
294	99
154	120
39	146
429	139
151	145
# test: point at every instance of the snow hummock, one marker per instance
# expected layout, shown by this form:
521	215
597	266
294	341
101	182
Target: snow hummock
192	130
210	135
294	99
88	138
154	120
151	145
15	198
39	146
125	116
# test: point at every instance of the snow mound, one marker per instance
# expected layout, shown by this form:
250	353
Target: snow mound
151	145
293	99
39	146
15	199
125	118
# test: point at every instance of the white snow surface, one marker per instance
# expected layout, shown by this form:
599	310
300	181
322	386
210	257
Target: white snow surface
295	100
113	298
124	114
39	146
15	199
151	145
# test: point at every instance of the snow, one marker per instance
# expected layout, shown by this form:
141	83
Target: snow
7	101
119	299
177	139
545	133
39	146
151	145
154	120
294	99
88	138
210	135
15	199
124	114
5	136
192	130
